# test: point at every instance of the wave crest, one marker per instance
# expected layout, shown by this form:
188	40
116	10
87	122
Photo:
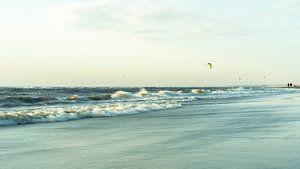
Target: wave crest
169	93
142	93
197	91
74	97
79	112
121	94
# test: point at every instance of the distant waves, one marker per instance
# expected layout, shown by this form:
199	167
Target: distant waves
28	100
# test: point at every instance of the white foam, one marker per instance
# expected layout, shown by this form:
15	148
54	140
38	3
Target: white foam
79	112
142	93
121	94
197	91
73	97
167	93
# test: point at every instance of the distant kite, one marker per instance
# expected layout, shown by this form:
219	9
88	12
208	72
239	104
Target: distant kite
264	77
210	65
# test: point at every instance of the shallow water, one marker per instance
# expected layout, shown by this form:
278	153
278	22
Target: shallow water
253	132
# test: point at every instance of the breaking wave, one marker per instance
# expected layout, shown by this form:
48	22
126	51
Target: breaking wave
80	112
197	91
142	92
73	97
121	94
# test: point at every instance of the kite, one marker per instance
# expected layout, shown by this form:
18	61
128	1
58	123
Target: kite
210	65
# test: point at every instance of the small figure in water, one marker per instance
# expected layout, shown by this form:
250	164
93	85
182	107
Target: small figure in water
288	85
291	84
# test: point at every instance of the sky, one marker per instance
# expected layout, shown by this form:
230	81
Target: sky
149	42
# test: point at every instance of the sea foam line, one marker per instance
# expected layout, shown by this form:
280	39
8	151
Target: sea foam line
80	112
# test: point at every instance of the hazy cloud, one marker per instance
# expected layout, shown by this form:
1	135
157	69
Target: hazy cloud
143	18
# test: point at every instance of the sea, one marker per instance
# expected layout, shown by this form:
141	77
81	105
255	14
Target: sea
236	127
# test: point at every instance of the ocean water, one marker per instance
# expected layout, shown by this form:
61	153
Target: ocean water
214	127
40	105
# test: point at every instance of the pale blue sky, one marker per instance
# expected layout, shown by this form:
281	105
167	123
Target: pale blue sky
149	42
